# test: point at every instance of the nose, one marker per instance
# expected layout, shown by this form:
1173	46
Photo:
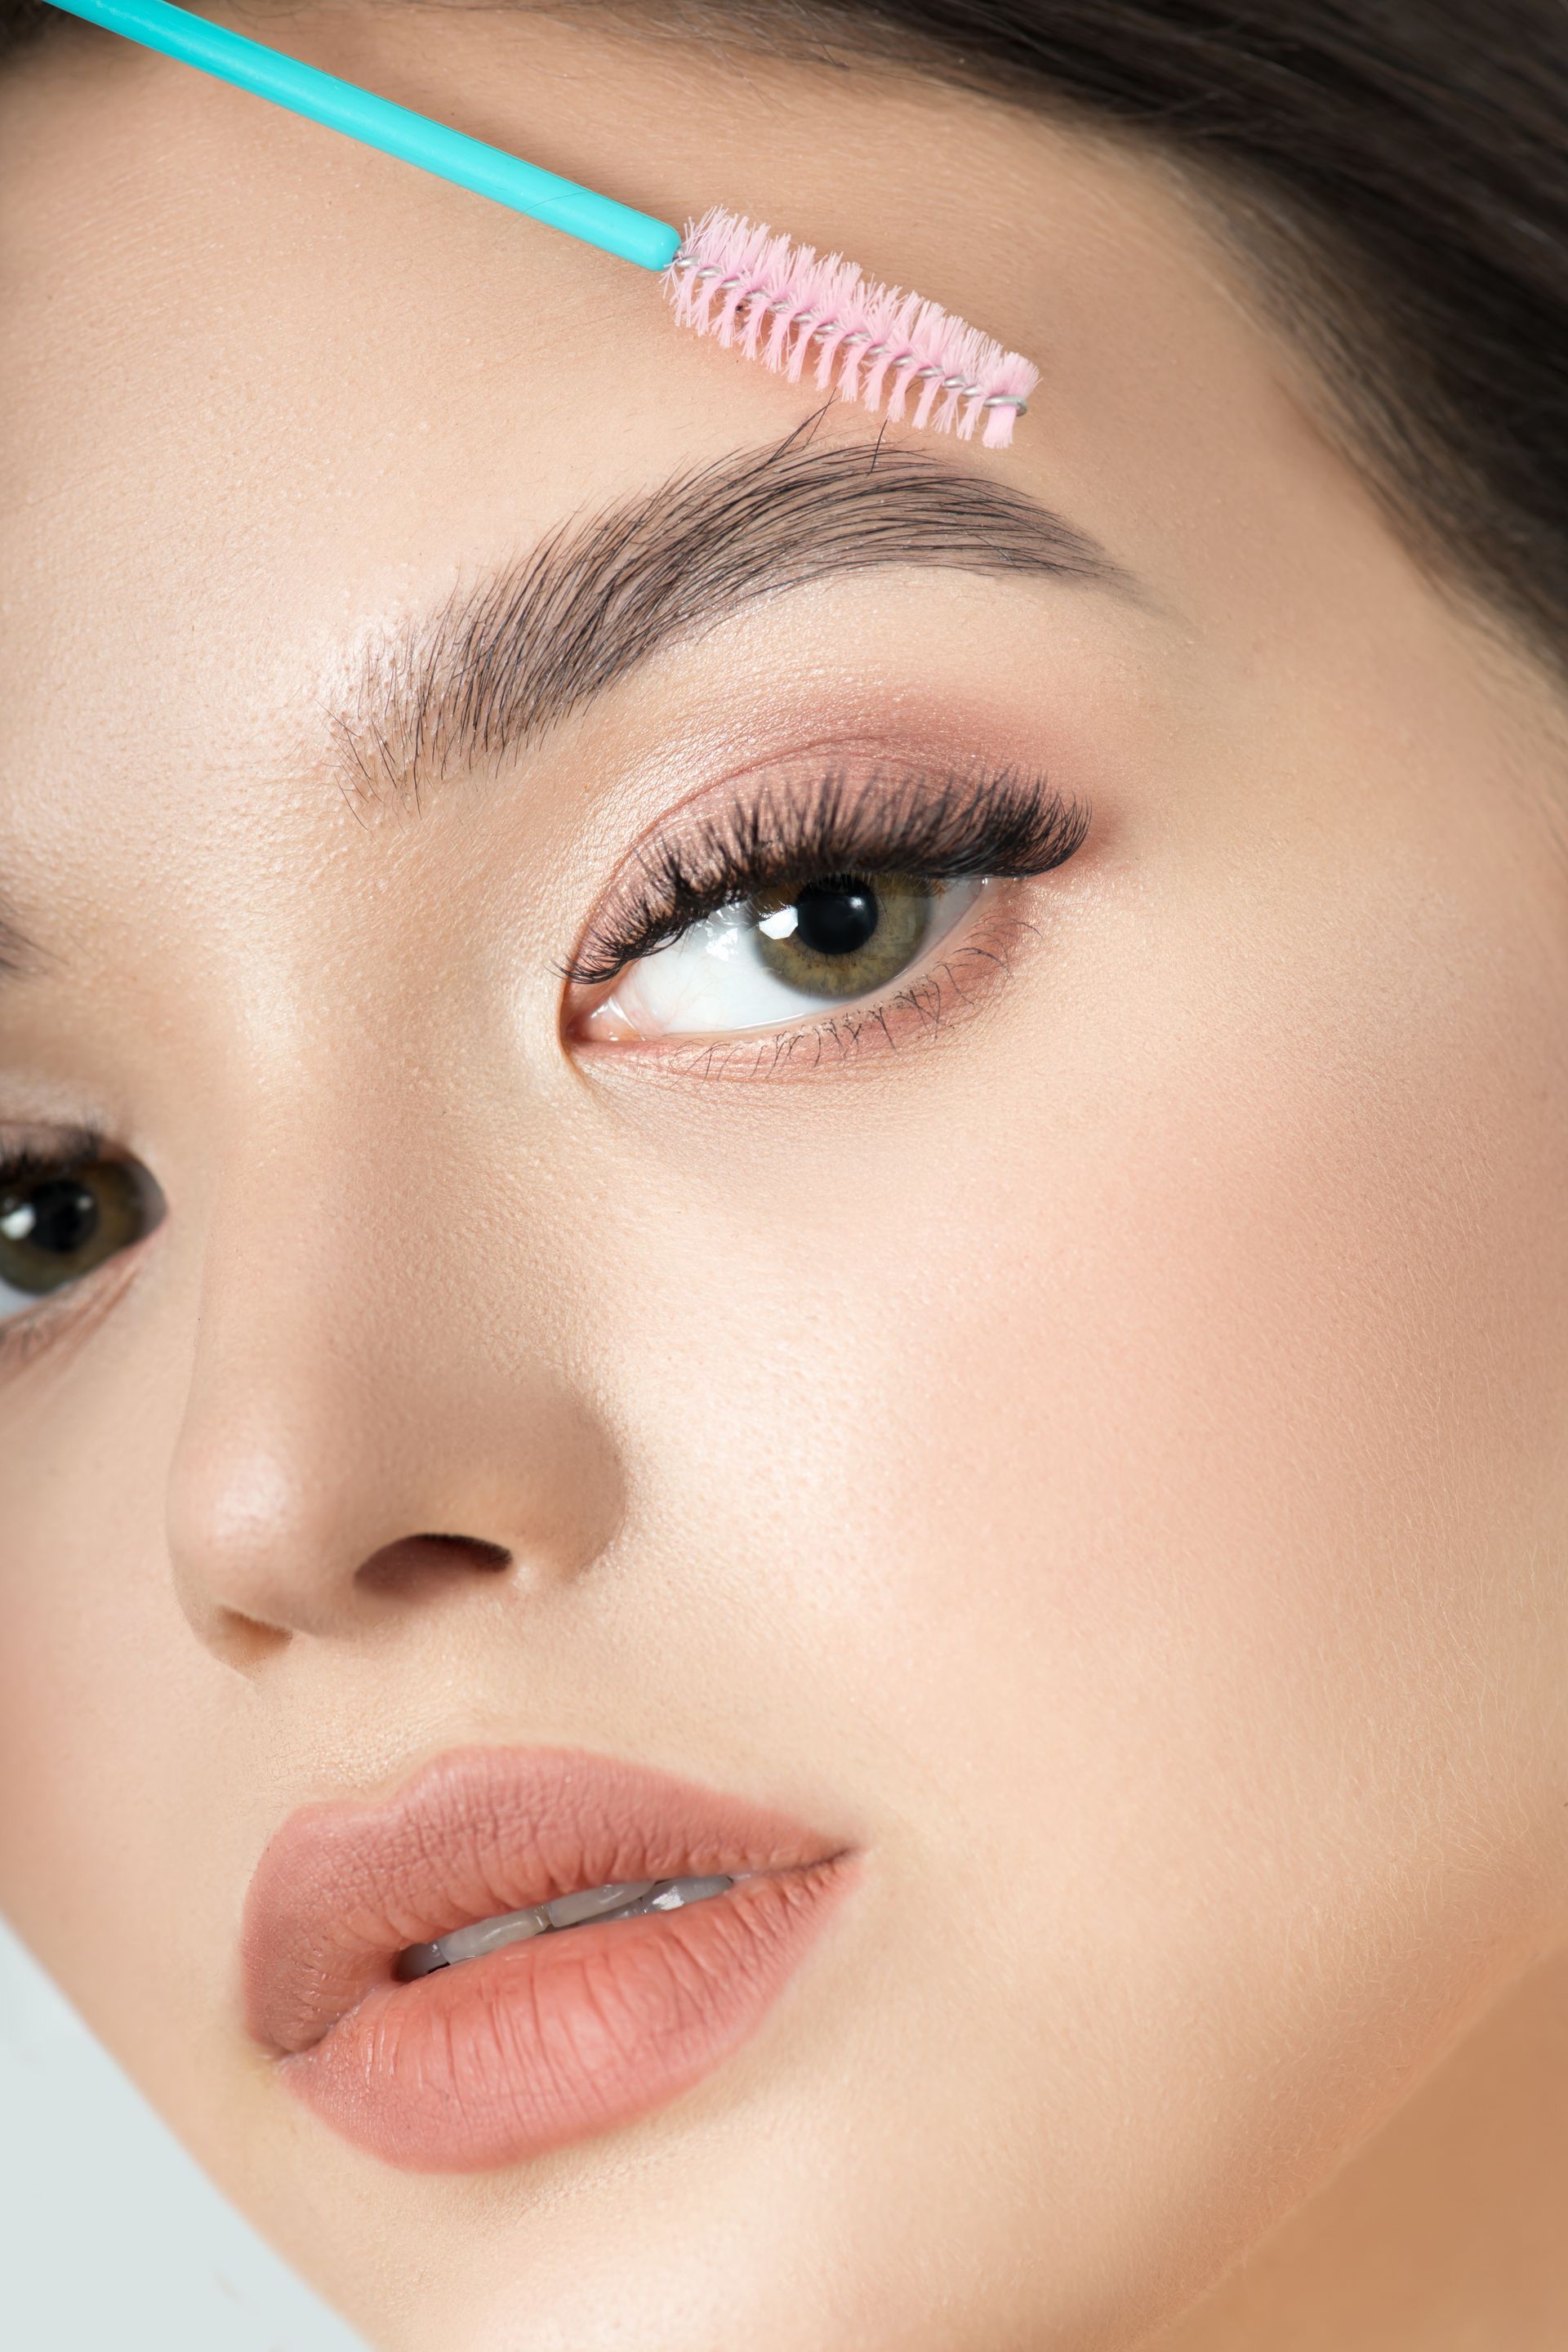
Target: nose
373	1426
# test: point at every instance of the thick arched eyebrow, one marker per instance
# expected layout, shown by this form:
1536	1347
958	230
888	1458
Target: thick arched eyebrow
505	656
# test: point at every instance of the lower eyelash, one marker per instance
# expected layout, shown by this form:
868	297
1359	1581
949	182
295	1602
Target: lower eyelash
26	1334
77	1307
62	1316
956	986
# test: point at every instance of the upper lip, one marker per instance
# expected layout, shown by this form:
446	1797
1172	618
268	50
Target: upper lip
344	1888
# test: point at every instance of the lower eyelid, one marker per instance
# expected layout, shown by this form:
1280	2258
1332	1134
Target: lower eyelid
28	1331
957	980
61	1318
730	976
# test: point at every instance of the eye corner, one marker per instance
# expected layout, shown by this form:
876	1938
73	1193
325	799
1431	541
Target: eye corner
74	1217
867	1041
781	926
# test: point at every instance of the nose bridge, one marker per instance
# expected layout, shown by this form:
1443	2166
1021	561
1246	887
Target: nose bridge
370	1373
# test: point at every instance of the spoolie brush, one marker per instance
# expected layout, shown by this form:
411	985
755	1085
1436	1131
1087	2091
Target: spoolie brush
781	303
785	304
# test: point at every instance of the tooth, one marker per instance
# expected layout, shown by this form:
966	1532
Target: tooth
677	1892
571	1910
471	1943
674	1894
627	1899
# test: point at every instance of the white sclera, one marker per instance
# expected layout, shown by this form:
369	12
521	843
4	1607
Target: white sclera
711	981
14	1302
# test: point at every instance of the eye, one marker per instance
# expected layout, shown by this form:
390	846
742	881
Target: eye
816	910
60	1221
783	955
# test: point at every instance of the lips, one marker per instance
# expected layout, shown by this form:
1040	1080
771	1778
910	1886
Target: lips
546	2042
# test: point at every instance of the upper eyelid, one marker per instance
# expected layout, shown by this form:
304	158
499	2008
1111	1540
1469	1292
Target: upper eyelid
65	1147
944	822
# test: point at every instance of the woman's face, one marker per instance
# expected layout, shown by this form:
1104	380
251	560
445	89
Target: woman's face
1052	1383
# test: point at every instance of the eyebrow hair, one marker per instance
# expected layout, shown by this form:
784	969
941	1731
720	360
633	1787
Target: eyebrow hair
508	656
19	956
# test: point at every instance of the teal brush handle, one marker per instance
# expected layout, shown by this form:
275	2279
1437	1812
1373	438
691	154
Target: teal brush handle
376	123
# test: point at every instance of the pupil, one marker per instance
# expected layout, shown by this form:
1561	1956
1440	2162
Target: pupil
62	1217
836	918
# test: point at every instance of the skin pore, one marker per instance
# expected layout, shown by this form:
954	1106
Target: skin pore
1091	1438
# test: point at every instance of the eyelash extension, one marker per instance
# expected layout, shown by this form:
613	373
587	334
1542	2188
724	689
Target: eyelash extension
28	1166
1004	827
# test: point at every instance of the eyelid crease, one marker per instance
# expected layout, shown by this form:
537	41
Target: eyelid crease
1006	825
506	655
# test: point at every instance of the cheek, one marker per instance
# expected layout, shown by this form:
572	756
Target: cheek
108	1724
1200	1343
1141	1459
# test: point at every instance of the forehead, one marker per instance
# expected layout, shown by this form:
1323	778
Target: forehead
251	354
263	388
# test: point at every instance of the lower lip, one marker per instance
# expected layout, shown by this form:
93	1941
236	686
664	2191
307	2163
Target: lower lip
503	2059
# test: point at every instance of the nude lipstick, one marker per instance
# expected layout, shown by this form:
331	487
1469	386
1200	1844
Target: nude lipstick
521	1947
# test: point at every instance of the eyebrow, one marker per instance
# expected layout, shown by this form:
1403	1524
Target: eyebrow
507	656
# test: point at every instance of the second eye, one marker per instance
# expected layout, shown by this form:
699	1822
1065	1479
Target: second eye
784	955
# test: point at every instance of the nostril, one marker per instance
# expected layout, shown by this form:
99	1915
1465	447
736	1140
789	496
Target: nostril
418	1559
480	1553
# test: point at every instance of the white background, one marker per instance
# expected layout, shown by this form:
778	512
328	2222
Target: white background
110	2240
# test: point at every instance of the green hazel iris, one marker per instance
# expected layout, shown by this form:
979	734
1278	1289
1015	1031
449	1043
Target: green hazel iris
62	1223
847	935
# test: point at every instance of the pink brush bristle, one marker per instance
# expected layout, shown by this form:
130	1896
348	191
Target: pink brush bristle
791	307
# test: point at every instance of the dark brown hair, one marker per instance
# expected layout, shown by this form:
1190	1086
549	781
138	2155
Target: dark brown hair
1396	171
